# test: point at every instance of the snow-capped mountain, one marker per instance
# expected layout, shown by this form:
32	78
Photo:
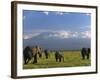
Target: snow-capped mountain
58	40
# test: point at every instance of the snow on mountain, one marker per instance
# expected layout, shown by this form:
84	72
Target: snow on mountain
59	40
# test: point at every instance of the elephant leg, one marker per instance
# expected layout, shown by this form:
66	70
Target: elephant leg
28	60
83	56
25	61
63	59
40	55
60	59
46	56
56	59
35	59
87	56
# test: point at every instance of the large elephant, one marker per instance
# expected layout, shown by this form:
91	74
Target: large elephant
27	54
85	52
59	56
31	52
36	50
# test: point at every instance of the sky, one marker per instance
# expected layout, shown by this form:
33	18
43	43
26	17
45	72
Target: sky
55	24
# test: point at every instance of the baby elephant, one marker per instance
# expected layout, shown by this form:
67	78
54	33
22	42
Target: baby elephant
59	56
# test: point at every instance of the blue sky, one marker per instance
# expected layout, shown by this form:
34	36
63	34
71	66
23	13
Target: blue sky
55	20
56	24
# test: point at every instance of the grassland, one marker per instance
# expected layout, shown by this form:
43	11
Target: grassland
71	59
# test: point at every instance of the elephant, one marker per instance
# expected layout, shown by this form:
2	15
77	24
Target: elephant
59	56
46	52
85	52
27	53
31	52
36	50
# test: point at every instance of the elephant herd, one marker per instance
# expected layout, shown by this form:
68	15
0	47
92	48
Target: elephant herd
30	53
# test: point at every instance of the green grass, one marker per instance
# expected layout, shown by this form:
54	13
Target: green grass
71	59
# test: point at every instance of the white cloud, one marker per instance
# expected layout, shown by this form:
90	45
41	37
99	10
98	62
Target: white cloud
86	34
69	34
29	36
58	34
64	34
75	34
46	12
